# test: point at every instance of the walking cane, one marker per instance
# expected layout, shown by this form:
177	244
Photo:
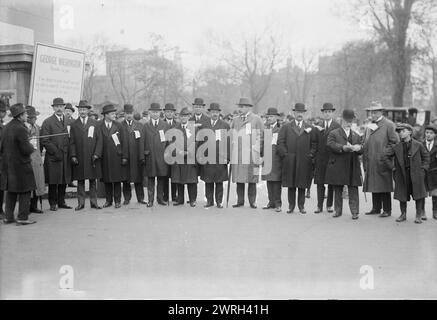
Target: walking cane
49	135
229	185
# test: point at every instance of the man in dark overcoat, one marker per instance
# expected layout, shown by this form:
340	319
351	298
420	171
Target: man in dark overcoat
431	177
169	117
17	178
85	148
273	178
201	121
343	167
157	170
411	162
114	156
322	157
57	163
2	116
133	130
297	146
214	174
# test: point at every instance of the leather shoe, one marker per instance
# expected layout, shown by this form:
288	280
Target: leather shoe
268	207
253	206
402	217
36	211
278	209
424	218
142	202
163	203
117	205
193	204
336	215
149	204
95	206
24	222
6	221
385	214
302	210
318	210
64	206
354	216
237	205
107	205
372	212
53	208
80	207
208	205
219	205
178	203
126	202
329	209
291	210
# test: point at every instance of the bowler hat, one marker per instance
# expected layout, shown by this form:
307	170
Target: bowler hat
245	102
155	107
128	108
184	112
431	127
31	111
198	102
83	104
145	113
328	106
272	112
402	126
169	107
69	106
58	102
108	108
299	107
2	106
348	115
17	109
375	106
214	106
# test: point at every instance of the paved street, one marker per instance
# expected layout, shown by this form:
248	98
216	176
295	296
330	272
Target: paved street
173	252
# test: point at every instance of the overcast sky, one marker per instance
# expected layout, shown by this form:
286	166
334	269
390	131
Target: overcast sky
309	24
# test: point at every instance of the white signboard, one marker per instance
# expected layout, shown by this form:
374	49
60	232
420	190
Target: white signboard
56	72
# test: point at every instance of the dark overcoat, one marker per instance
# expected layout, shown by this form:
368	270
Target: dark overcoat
134	171
2	126
431	177
17	173
112	154
276	171
297	148
343	168
419	164
200	124
57	165
86	141
154	148
218	171
323	153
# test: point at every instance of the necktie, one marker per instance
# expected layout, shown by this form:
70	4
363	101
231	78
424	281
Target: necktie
243	118
326	125
429	146
108	125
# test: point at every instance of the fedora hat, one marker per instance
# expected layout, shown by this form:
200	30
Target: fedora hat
83	104
128	108
58	102
184	112
328	106
109	108
431	127
198	102
169	107
402	126
244	102
299	107
214	106
69	106
272	112
375	106
348	114
31	111
16	110
155	107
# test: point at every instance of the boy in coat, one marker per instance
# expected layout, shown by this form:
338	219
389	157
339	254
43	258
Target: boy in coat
273	178
411	162
344	164
86	146
431	177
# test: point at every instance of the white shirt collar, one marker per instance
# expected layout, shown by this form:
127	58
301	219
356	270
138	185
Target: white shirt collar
299	122
329	122
108	123
347	131
379	119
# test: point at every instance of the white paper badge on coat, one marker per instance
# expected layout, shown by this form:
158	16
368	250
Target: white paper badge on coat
275	138
91	132
34	143
162	135
137	134
218	136
68	130
248	128
115	139
187	131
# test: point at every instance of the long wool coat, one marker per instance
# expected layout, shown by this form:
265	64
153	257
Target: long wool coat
343	168
218	171
251	131
57	165
112	154
276	167
154	148
37	162
134	171
431	177
323	153
419	164
17	173
378	177
83	146
297	148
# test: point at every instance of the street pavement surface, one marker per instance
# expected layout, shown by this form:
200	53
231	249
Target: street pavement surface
194	253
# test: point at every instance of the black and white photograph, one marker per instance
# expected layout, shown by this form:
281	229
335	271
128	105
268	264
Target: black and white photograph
218	150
